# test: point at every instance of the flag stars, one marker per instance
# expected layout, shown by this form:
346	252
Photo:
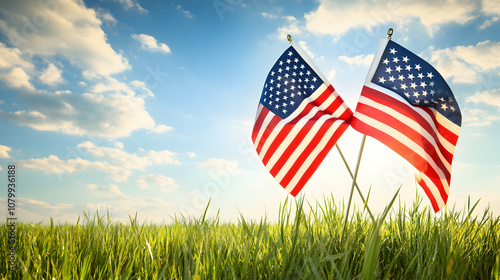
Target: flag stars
452	108
404	86
308	73
430	75
381	80
405	59
314	79
395	60
401	77
431	84
413	85
444	107
290	53
392	79
423	84
411	77
393	51
388	70
398	68
420	75
296	60
417	66
416	94
287	68
408	68
386	61
288	61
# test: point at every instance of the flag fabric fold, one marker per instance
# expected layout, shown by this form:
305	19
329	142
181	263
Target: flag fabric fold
299	119
408	106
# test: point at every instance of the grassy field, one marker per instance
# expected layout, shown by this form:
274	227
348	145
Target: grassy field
409	243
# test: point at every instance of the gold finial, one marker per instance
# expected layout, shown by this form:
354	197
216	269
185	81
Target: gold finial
289	38
389	33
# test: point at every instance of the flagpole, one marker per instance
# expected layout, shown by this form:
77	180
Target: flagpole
365	202
352	187
389	35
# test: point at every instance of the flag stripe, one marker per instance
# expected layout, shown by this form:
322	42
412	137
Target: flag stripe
401	122
405	147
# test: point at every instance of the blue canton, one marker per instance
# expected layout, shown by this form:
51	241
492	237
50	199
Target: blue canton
416	81
290	81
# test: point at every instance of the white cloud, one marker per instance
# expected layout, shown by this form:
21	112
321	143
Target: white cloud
10	57
163	157
306	48
337	17
69	30
462	64
4	151
17	78
161	128
267	15
140	85
51	75
109	115
219	165
186	13
491	97
191	155
357	60
292	27
53	165
132	5
479	117
165	183
149	43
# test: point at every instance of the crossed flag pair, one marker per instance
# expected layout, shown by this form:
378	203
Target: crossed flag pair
405	104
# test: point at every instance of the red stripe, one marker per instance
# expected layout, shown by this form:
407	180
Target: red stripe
415	136
409	111
317	161
311	146
258	123
267	131
282	135
415	159
445	132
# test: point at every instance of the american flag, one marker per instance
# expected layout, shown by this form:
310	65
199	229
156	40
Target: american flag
299	118
407	105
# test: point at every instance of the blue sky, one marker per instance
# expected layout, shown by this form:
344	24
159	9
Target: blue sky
148	106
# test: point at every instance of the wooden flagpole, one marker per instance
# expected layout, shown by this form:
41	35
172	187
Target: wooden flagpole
389	35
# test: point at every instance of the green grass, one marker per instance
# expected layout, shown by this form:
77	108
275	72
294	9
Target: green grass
408	243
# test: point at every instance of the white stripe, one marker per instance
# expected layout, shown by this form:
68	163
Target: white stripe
409	122
403	139
263	127
259	109
307	163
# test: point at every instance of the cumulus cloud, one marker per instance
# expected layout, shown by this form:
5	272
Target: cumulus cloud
149	43
219	165
51	75
479	117
186	13
17	78
161	128
165	183
337	17
490	97
357	60
132	5
462	64
11	57
67	29
4	151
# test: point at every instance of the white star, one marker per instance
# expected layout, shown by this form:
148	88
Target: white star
420	75
413	85
284	104
431	84
271	81
441	99
398	68
300	73
415	93
292	87
278	92
388	70
407	94
426	101
277	106
286	75
311	86
395	60
293	80
278	86
287	68
452	108
281	62
408	67
424	93
391	78
314	79
417	66
381	80
271	88
417	101
280	70
432	92
279	78
285	90
393	51
270	102
444	107
430	75
296	60
423	84
295	67
306	80
290	53
284	111
288	61
308	72
302	66
285	82
277	99
404	86
285	97
405	59
272	73
292	95
401	77
294	74
386	61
